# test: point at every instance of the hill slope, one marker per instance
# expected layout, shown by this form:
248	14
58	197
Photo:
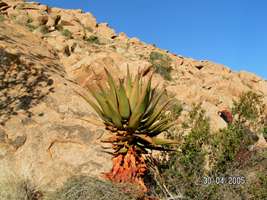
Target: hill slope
47	53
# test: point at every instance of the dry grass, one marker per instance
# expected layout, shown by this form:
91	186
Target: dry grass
88	188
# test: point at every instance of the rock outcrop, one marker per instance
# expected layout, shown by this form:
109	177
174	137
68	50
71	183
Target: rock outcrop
47	131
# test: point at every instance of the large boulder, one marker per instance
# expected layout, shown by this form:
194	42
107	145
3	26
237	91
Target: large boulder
43	134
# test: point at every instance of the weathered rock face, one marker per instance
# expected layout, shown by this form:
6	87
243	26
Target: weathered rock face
48	53
42	133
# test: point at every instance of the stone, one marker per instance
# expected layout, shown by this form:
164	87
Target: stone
87	20
22	19
122	37
50	133
42	20
104	30
53	20
18	141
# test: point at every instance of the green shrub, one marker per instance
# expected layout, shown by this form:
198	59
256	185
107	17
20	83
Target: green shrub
93	39
241	134
230	141
225	153
29	20
181	170
66	33
257	189
193	154
44	29
249	109
161	63
88	188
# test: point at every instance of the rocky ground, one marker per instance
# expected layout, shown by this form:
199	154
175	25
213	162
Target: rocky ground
48	53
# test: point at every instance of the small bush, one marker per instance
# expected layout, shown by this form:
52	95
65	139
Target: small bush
249	109
66	33
161	63
222	154
181	170
44	29
29	20
88	188
231	142
257	189
93	39
234	141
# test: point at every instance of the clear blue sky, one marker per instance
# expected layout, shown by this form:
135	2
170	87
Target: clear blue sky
230	32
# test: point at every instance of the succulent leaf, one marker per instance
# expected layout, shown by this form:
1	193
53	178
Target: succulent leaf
95	107
134	121
148	92
128	82
134	93
153	103
161	141
162	128
100	98
156	125
113	90
144	137
153	117
124	106
115	116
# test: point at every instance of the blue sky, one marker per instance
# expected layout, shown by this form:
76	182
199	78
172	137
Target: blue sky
230	32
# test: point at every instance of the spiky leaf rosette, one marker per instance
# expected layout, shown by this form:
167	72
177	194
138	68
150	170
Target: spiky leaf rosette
130	108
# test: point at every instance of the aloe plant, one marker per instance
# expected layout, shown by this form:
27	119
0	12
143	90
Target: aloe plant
130	109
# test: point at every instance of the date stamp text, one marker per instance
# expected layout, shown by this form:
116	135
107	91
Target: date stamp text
229	180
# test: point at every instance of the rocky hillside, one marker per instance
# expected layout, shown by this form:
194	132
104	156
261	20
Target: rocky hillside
46	129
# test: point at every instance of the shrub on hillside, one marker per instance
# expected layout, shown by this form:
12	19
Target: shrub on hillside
182	169
93	39
249	110
66	33
161	63
204	154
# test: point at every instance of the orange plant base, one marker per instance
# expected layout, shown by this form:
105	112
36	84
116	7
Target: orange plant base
129	168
